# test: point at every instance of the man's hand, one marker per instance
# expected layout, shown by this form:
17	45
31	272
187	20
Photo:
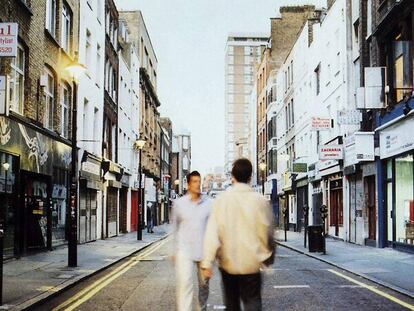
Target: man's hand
207	272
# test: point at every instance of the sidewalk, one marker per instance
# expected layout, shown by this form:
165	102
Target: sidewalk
33	278
385	266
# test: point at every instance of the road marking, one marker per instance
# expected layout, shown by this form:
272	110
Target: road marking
91	290
374	289
291	286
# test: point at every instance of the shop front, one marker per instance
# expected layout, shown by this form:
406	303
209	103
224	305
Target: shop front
90	187
123	204
112	174
301	202
36	187
330	169
397	158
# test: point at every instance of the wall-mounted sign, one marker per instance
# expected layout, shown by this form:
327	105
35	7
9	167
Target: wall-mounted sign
359	147
8	39
397	138
299	167
373	96
4	107
331	152
349	117
321	124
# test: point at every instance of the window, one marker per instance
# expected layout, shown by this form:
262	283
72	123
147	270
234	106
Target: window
16	89
88	48
292	115
49	99
318	79
65	105
66	28
403	65
85	119
51	16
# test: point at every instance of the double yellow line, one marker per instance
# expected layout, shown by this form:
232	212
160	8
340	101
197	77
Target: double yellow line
91	290
374	289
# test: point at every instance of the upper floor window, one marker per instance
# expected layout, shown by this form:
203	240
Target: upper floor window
49	99
88	48
51	16
16	87
65	106
66	28
403	69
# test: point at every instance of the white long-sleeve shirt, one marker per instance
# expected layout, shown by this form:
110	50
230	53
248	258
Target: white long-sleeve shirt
189	220
239	232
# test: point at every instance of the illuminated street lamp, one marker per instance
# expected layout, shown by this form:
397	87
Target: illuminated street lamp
75	70
262	167
140	143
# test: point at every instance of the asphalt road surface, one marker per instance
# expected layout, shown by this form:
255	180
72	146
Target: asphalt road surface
145	281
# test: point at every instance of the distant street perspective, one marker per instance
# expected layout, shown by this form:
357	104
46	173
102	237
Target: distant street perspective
206	155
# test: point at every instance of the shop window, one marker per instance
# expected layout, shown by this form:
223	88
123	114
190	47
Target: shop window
404	203
16	89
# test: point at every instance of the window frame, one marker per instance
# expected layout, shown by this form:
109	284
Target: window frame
15	72
66	28
65	105
51	17
50	98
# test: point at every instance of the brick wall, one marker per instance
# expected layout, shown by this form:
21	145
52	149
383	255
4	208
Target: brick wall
41	50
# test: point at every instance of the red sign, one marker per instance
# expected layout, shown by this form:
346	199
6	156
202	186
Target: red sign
331	152
8	39
320	124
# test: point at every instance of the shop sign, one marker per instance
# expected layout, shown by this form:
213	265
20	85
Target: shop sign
359	147
349	117
397	139
4	107
331	152
8	39
299	167
321	124
91	167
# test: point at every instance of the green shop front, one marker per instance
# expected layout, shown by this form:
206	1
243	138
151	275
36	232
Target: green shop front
34	180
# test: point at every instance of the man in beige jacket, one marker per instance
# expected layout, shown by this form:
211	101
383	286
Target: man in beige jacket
240	234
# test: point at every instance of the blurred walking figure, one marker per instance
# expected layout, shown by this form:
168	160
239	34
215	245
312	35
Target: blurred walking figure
240	234
150	217
190	215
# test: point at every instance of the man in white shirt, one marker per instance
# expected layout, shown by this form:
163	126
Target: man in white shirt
190	216
240	234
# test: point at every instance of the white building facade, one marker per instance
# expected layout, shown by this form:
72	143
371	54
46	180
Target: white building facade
90	101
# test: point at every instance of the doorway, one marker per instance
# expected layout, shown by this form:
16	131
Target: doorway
336	205
88	205
371	206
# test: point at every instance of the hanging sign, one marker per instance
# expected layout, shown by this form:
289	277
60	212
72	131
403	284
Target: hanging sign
321	124
331	152
8	39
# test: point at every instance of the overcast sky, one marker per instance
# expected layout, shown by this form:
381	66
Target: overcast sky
189	39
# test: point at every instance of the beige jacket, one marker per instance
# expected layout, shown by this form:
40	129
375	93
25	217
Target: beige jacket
239	232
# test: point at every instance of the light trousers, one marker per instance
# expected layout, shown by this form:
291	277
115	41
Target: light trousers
184	270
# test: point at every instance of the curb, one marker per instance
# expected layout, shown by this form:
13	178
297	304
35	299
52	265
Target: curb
58	289
366	277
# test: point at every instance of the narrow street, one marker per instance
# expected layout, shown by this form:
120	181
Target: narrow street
296	282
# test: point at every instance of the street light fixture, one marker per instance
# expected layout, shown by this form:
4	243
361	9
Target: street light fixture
140	143
262	167
6	167
75	70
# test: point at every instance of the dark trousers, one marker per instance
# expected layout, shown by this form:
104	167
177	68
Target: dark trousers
245	288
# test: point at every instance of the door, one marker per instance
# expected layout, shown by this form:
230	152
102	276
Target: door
302	200
87	215
372	209
123	196
316	208
134	210
112	211
352	214
336	214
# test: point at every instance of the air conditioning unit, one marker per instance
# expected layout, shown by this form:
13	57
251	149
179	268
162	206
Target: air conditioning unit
374	94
